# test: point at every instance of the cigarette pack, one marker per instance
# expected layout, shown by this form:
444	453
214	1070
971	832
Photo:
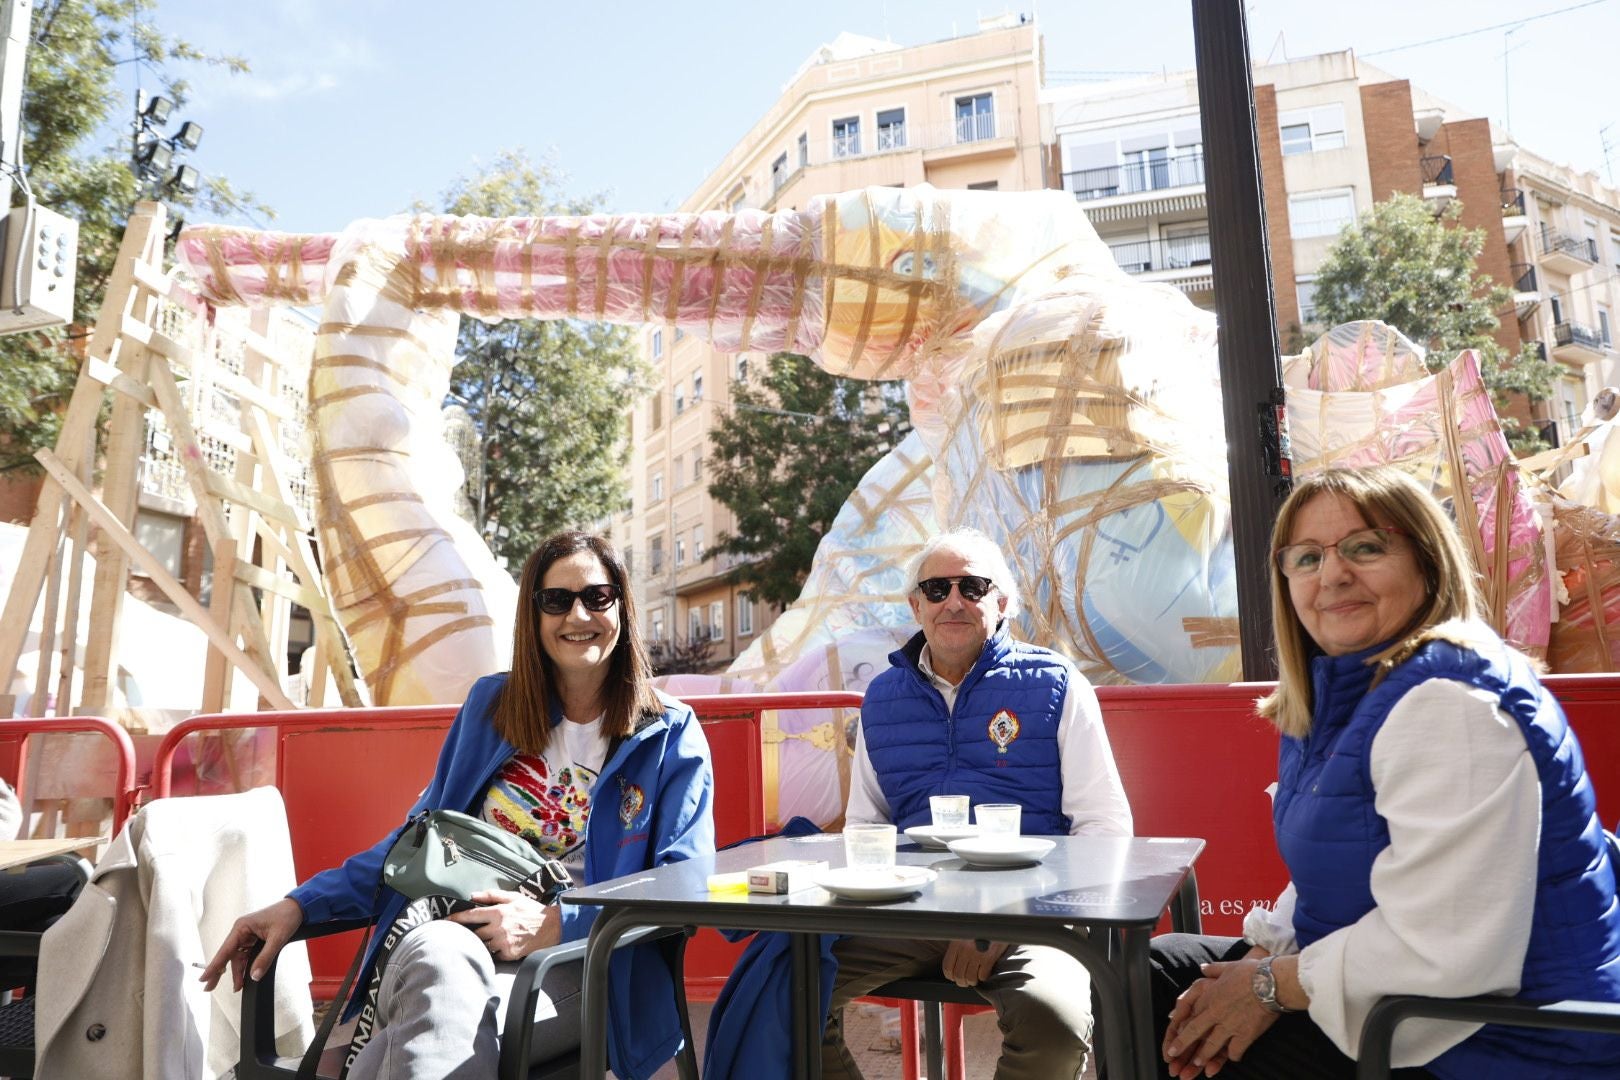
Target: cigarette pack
785	875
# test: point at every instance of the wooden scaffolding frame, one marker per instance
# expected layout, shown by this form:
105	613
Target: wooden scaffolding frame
260	539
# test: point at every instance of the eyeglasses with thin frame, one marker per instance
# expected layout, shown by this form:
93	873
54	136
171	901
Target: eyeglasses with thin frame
561	601
1365	547
972	587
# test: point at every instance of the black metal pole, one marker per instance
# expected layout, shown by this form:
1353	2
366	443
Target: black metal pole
1251	377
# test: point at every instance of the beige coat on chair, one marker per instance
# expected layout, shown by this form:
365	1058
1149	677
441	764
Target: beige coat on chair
118	994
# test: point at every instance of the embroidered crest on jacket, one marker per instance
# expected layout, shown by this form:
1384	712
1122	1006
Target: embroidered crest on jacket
1003	729
631	799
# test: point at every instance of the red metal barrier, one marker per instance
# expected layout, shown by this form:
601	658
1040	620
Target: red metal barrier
1195	761
13	752
348	776
734	727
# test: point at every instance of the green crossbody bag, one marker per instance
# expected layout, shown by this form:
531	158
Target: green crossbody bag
445	853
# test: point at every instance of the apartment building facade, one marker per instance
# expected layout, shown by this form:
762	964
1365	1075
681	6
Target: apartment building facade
1336	135
961	113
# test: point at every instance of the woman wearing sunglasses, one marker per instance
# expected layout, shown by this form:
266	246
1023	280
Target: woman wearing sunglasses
1432	808
574	750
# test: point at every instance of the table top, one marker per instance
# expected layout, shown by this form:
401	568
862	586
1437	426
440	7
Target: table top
22	852
1100	881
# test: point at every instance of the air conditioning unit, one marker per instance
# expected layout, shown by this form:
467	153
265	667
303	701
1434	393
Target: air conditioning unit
36	281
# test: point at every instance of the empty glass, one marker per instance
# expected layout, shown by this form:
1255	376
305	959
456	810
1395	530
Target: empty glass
998	817
869	847
950	811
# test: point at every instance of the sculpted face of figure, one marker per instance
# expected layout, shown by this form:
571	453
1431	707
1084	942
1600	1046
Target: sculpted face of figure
956	628
1345	607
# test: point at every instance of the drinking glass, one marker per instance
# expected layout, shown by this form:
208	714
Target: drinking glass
869	847
998	817
950	811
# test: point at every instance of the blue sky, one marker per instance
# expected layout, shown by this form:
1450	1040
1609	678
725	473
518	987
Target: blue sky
358	108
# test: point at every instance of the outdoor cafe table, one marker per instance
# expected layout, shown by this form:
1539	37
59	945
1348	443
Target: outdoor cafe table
1101	883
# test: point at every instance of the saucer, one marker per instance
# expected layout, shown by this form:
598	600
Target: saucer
896	883
936	837
1001	850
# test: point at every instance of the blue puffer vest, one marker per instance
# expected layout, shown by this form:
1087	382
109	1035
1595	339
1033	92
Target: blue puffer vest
1329	834
999	744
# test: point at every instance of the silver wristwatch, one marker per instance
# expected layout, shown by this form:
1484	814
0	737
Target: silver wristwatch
1264	984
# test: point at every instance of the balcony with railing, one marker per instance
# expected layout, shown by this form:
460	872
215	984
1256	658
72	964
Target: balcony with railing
1526	289
1439	182
1566	254
1136	178
1575	343
1174	257
1515	218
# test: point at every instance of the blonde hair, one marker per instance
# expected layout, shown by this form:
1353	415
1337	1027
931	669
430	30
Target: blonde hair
1385	497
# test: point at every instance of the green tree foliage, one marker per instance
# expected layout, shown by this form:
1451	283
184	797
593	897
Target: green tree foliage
1417	272
548	398
786	457
76	157
680	656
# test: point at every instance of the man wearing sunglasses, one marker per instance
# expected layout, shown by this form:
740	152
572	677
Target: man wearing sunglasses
964	709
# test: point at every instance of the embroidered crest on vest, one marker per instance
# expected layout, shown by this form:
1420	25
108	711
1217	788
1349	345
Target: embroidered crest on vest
1003	729
631	800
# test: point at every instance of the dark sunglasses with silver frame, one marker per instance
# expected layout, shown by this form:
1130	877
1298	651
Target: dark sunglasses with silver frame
972	587
561	601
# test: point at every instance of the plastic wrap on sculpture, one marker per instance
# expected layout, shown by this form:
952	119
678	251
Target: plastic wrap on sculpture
1064	424
413	585
1586	636
1362	396
963	294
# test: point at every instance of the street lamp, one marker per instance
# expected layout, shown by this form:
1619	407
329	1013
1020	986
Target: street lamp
153	154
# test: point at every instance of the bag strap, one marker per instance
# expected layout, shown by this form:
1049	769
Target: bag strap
312	1056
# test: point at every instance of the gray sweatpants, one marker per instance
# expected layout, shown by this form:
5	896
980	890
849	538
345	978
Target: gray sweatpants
442	1004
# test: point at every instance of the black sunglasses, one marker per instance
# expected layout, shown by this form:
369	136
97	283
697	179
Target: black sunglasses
972	588
561	601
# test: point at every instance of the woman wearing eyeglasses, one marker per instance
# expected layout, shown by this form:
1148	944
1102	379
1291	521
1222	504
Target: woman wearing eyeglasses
574	750
1431	806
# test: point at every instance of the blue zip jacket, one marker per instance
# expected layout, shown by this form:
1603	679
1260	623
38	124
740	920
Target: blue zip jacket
661	785
999	744
1329	833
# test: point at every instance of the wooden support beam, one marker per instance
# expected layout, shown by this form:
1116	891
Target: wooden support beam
120	536
209	512
78	430
120	477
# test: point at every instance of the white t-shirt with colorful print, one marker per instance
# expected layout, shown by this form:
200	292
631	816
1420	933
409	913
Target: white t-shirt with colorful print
546	799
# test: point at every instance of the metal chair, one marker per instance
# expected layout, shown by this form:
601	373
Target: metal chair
1378	1033
17	1015
259	1060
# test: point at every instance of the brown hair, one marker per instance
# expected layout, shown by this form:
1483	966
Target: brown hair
523	711
1385	497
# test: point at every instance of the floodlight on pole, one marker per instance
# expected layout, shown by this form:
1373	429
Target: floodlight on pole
158	110
189	135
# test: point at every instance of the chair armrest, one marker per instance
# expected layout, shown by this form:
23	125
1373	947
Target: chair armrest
19	942
258	1042
518	1033
1378	1033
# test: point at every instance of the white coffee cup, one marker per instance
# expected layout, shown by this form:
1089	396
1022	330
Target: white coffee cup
996	818
950	811
869	847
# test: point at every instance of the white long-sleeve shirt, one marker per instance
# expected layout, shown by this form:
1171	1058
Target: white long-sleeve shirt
1453	891
1093	797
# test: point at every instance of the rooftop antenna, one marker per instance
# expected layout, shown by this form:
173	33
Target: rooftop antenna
1507	90
1609	147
